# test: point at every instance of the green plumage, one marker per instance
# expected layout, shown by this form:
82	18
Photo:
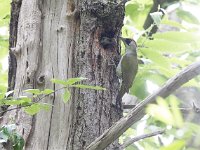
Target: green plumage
127	68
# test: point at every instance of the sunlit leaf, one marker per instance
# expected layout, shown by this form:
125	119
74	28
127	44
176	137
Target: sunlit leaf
156	57
161	111
178	119
2	95
176	145
7	132
167	46
192	83
57	81
33	91
17	102
187	16
4	13
180	62
66	96
35	108
139	87
141	9
130	132
18	143
173	24
47	91
177	36
159	70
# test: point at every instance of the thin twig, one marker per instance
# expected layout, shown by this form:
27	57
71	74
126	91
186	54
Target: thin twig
140	137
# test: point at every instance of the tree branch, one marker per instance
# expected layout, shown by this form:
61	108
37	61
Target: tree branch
138	112
140	137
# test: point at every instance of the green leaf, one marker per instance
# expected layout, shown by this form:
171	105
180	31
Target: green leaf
141	8
35	108
157	17
25	98
44	106
47	91
2	95
178	119
176	145
173	24
33	91
57	81
187	16
18	142
82	86
161	111
139	88
4	13
32	110
177	36
66	96
192	83
2	102
155	68
156	57
20	101
3	137
166	46
6	131
14	102
74	80
180	62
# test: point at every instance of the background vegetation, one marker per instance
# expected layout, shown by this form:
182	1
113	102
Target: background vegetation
4	22
174	46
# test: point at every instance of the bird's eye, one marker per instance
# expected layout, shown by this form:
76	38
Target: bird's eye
128	41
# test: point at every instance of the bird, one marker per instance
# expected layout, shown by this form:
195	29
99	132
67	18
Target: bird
127	69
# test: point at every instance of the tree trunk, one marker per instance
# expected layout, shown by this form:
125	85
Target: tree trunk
62	39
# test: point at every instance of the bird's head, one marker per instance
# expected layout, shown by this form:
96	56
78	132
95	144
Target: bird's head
129	43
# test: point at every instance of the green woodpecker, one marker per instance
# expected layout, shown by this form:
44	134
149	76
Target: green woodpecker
127	68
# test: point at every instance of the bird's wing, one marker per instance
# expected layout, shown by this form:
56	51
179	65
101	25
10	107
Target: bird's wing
129	67
118	70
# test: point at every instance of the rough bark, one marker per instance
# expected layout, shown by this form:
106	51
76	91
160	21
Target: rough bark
62	39
15	7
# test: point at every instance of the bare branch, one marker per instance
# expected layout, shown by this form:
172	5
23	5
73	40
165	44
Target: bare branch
138	111
182	109
140	137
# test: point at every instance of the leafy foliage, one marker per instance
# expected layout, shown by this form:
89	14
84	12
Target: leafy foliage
72	83
4	20
32	107
163	55
8	133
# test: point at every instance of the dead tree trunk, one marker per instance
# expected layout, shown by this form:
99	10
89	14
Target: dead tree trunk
62	39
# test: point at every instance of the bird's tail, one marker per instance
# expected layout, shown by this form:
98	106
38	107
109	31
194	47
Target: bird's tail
124	89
